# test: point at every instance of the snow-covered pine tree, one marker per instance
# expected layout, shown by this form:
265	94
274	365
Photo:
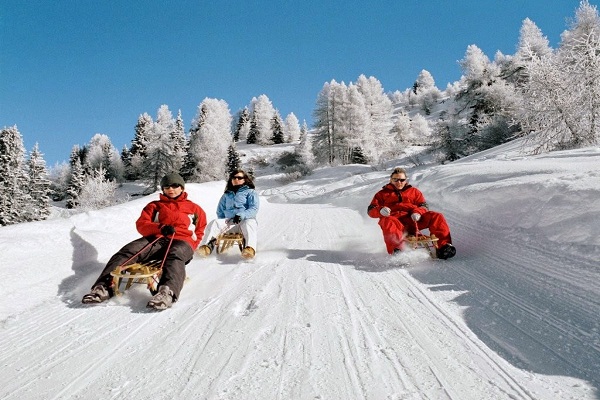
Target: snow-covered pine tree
142	127
579	56
329	123
233	159
76	183
380	111
138	146
291	128
532	44
277	129
126	160
253	132
356	122
180	142
14	198
262	114
161	155
60	176
97	191
210	138
240	133
304	150
101	152
39	185
449	133
561	104
489	103
401	130
427	93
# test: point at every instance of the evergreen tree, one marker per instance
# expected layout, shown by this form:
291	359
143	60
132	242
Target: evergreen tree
243	126
291	128
143	126
424	81
14	198
489	103
126	160
101	152
449	133
39	185
262	113
76	184
138	146
532	44
357	156
161	155
97	191
304	150
277	129
379	109
253	132
428	94
180	143
210	138
233	159
355	133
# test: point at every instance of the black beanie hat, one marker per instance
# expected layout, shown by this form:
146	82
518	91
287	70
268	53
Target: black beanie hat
172	179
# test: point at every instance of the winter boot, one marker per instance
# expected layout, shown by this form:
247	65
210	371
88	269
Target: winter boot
98	294
248	252
446	251
206	249
161	300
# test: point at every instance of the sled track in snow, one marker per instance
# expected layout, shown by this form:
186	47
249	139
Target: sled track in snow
425	298
546	295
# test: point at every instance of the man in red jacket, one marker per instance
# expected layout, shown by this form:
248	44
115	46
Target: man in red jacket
399	206
180	225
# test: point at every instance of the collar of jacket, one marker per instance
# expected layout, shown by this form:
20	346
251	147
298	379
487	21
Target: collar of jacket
240	189
392	188
181	197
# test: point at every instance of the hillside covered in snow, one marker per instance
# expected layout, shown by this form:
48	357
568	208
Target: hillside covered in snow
323	312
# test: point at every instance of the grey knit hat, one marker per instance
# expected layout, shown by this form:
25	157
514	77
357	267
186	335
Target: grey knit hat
172	179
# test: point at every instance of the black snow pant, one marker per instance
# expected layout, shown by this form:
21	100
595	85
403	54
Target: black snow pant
173	275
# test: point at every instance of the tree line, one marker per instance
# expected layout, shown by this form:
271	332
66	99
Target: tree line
549	96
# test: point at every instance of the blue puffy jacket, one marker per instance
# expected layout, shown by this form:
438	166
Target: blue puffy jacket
244	203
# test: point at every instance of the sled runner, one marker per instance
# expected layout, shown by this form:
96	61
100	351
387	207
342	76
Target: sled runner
147	273
428	242
227	240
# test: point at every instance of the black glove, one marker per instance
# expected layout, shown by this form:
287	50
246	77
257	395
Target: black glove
236	220
167	230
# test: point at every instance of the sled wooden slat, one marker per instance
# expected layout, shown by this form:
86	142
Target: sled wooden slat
424	241
226	240
142	273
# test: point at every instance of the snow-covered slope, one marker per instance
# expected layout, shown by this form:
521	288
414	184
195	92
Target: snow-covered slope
323	312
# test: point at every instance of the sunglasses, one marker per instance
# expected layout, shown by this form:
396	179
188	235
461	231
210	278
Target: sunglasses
237	177
399	179
173	186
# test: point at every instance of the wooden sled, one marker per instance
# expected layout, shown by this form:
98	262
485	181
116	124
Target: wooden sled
424	241
227	240
144	273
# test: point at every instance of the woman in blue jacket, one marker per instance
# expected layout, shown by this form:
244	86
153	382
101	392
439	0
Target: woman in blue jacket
237	208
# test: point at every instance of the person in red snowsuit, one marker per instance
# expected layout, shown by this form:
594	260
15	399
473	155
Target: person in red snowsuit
399	206
179	225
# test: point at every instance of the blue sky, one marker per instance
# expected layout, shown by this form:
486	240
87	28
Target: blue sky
72	68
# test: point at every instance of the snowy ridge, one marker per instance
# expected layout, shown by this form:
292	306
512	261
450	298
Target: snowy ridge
323	312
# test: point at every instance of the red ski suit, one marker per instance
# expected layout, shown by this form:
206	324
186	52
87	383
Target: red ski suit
403	203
